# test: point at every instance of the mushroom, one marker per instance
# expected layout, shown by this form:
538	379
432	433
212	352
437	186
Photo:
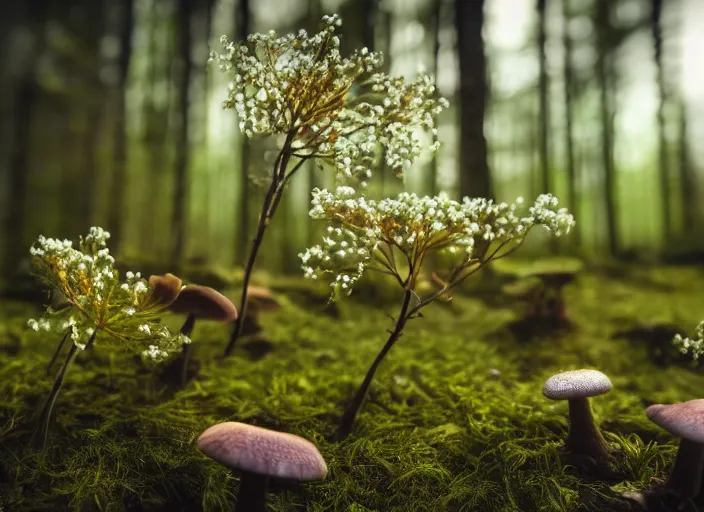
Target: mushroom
576	387
165	288
204	303
259	300
259	453
686	421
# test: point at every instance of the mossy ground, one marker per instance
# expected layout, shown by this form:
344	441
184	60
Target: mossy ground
437	433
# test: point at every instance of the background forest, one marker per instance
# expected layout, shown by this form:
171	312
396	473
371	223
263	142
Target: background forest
111	117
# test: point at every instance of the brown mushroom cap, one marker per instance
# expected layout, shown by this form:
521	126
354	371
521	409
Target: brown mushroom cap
261	299
205	303
165	288
576	384
263	451
684	420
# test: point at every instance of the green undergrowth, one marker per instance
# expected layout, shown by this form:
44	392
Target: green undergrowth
455	420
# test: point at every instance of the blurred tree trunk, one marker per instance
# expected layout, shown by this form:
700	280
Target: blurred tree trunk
664	167
474	179
370	9
604	76
117	188
569	114
183	82
155	134
25	100
436	17
94	111
382	44
243	26
688	180
543	89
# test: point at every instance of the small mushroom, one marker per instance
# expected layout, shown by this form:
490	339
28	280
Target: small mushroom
576	387
165	288
259	300
204	303
259	453
686	421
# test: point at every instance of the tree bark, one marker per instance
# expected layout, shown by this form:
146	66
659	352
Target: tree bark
604	72
474	179
243	26
119	172
543	88
664	167
435	31
569	112
94	112
688	181
26	97
180	198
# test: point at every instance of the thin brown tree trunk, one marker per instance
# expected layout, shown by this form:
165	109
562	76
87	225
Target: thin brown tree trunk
543	88
688	180
604	73
180	198
119	172
243	26
569	112
474	179
664	167
25	102
156	129
435	32
94	112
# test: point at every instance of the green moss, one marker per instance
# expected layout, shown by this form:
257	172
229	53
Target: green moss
437	433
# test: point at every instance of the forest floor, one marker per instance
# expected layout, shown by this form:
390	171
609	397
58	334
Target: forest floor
455	420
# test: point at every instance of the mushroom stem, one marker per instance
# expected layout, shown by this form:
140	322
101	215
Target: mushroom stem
186	330
686	474
344	427
251	496
584	436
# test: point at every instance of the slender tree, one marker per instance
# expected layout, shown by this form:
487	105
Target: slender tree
26	97
568	73
185	69
155	111
604	76
243	26
475	180
436	18
119	170
95	24
543	89
663	163
688	180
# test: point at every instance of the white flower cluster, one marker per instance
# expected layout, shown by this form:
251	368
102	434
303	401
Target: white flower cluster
415	226
300	85
695	346
87	278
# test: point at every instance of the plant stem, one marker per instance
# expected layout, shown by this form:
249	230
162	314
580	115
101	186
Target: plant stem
58	350
271	202
186	330
346	423
56	387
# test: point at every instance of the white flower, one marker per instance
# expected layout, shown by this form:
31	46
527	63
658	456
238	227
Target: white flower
100	303
368	231
341	110
693	346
